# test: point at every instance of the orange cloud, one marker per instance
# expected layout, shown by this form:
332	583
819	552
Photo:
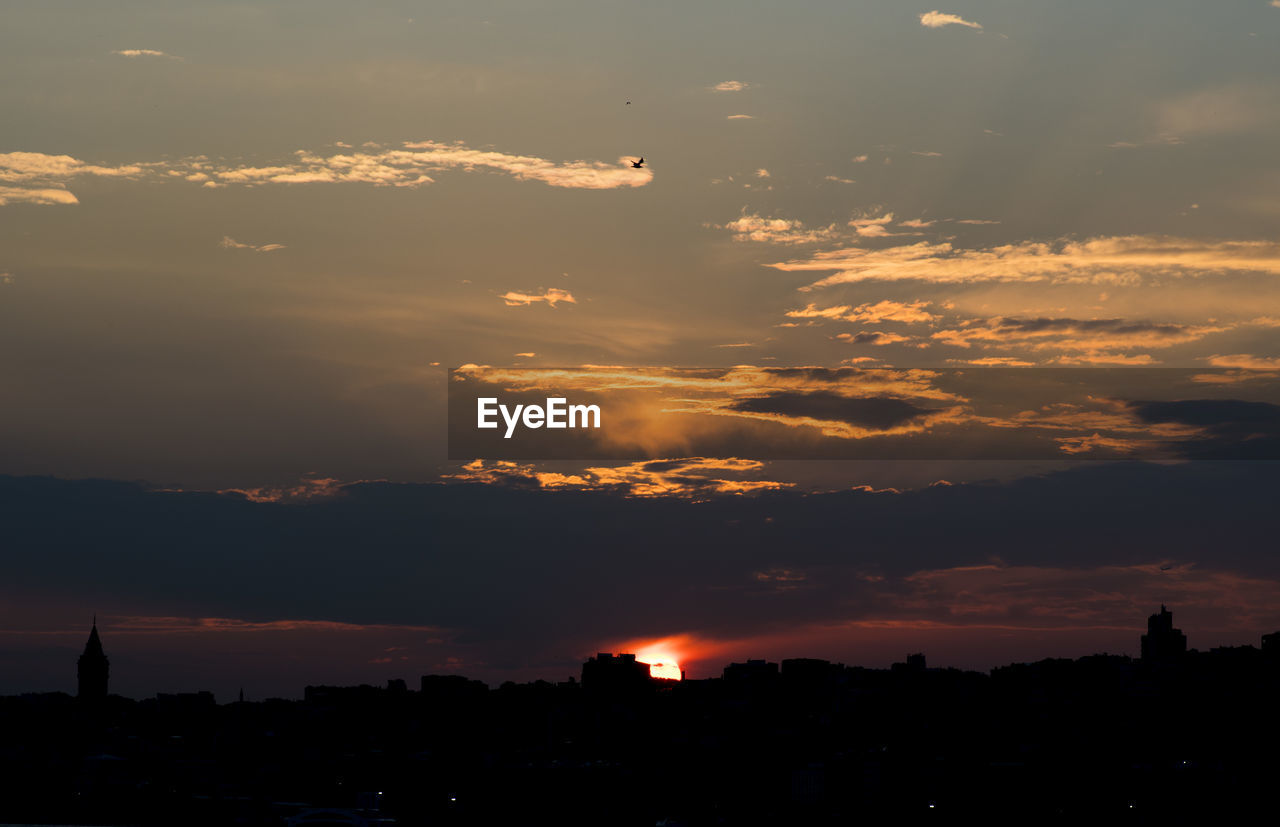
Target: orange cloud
551	297
936	20
883	311
1092	335
1113	259
775	230
683	477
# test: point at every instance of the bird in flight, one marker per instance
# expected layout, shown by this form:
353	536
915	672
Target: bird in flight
638	164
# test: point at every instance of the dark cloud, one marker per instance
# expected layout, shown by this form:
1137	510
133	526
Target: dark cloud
878	412
1117	326
1233	428
523	578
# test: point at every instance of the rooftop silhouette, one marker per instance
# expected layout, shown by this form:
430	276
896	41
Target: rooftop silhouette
1175	734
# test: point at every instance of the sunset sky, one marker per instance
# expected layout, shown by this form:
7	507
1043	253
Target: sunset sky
241	245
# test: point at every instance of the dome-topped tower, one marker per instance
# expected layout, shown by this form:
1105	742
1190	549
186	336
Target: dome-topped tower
93	668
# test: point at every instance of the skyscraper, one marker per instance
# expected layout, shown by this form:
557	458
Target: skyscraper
93	668
1162	642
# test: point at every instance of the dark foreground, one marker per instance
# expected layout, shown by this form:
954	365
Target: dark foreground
809	743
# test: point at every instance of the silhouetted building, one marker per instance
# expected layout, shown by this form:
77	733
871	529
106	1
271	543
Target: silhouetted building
609	672
92	669
810	670
753	671
914	663
451	689
1271	643
1162	642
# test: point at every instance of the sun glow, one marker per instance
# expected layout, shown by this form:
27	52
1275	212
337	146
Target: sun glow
661	666
663	657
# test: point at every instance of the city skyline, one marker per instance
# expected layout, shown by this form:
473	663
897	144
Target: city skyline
1162	643
947	330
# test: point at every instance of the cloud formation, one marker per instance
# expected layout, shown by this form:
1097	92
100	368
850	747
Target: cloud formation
1245	360
936	20
882	311
21	167
730	86
410	165
1101	260
1072	334
231	244
873	337
551	296
752	227
144	53
683	477
44	195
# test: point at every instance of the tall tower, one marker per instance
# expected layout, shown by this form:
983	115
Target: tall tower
1162	642
92	668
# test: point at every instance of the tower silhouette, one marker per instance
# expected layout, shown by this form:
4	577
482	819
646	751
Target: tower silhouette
1162	642
93	668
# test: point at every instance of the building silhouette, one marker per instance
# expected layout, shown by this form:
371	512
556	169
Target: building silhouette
614	673
93	668
1162	642
803	741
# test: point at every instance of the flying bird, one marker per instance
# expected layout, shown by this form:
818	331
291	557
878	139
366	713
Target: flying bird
638	164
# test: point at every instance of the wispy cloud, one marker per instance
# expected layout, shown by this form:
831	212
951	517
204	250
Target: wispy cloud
311	488
231	244
43	195
873	337
1090	335
873	226
757	228
144	53
994	362
739	117
936	20
1102	357
409	165
1111	259
37	166
1245	360
730	86
551	296
682	477
883	311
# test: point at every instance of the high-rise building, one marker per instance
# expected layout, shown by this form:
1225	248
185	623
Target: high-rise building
1162	642
93	668
613	673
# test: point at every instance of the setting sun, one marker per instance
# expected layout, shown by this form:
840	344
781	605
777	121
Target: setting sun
661	666
663	657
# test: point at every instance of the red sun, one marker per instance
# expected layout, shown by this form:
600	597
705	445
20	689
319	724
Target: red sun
662	659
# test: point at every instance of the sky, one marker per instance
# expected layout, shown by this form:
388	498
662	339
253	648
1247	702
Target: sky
242	245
